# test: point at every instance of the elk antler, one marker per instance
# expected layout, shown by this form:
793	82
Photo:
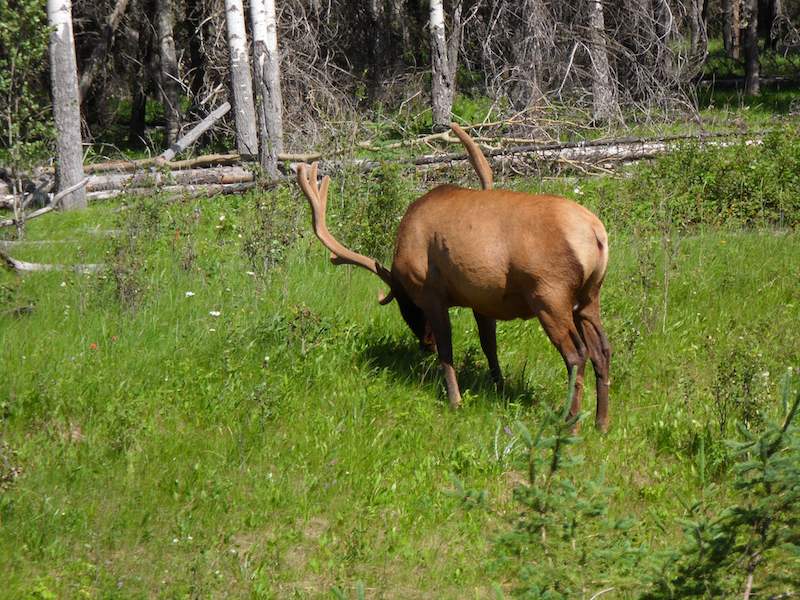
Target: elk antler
318	199
476	157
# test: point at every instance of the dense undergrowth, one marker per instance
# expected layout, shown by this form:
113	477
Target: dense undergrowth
221	412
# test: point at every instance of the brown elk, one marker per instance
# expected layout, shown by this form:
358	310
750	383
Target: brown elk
506	255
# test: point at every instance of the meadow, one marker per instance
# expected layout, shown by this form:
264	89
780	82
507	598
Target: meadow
220	412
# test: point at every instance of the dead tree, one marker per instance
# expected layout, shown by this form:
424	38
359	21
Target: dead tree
444	62
604	101
100	51
751	60
730	27
169	69
66	101
268	82
241	81
531	24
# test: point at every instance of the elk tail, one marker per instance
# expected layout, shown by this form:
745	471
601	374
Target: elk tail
476	157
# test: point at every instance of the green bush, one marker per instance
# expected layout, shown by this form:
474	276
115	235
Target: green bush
743	185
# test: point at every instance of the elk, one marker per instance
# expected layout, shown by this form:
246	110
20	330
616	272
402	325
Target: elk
506	255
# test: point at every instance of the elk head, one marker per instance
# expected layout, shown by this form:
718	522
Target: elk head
505	255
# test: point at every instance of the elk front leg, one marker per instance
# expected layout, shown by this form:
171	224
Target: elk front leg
487	331
439	320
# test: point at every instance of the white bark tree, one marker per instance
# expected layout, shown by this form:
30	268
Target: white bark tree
169	70
604	100
444	54
66	102
241	80
268	79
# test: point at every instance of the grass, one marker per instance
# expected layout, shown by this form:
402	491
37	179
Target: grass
188	425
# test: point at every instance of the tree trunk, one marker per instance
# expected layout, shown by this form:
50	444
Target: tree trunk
445	57
730	28
751	61
527	50
100	51
268	78
197	58
66	101
241	80
604	102
169	70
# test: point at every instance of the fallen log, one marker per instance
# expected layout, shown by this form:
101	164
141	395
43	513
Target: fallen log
591	155
22	266
178	191
212	175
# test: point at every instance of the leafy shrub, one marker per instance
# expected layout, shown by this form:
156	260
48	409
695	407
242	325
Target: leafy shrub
25	132
366	216
272	224
742	185
140	224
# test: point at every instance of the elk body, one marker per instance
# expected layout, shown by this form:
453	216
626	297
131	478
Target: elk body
506	255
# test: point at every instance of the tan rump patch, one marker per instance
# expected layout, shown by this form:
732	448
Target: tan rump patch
583	242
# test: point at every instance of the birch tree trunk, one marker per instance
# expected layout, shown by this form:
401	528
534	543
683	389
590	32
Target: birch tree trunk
268	79
752	66
604	101
241	80
444	63
169	70
66	102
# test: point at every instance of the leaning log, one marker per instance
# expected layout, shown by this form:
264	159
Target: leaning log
196	131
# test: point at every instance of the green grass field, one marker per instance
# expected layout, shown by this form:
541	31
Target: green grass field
188	424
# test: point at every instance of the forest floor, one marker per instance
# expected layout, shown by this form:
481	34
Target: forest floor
189	422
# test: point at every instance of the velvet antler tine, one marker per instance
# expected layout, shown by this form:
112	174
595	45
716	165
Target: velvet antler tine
317	196
323	191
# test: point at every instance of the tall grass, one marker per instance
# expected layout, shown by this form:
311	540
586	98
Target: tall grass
224	413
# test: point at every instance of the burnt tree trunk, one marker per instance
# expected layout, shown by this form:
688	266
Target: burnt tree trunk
66	102
100	51
752	65
146	65
730	27
169	79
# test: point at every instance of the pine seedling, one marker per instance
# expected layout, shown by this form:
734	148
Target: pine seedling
751	548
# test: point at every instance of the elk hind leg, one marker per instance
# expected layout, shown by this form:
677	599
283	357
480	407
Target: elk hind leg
487	331
591	330
558	324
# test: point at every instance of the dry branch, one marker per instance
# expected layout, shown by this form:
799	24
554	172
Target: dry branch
44	210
